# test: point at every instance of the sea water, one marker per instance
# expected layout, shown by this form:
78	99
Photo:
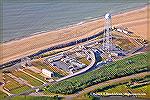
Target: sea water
25	19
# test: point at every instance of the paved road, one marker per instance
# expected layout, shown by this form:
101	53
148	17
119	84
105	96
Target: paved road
117	80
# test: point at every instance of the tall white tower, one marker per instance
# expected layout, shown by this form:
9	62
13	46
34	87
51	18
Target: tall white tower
107	41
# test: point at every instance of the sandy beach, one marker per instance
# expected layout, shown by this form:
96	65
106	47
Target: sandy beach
136	21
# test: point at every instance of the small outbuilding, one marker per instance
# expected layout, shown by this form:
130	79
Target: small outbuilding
47	73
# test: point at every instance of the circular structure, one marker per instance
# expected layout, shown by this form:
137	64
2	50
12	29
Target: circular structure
108	16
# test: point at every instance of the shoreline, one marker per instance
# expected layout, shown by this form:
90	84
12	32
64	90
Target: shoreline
74	24
36	42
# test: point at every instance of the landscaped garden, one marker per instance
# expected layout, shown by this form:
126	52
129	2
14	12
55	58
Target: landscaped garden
10	83
2	95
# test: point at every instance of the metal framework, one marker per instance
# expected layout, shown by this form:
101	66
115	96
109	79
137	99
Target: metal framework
107	38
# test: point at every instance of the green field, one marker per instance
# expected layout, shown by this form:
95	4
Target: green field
10	83
143	89
35	74
20	89
35	98
125	44
118	89
132	65
13	86
2	95
84	60
28	78
123	88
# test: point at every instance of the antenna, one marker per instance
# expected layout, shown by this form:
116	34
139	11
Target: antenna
107	38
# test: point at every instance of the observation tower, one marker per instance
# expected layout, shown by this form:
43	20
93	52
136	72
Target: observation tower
107	38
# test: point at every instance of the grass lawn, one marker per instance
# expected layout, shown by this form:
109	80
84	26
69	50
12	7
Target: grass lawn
125	44
28	78
124	89
143	89
7	78
35	98
2	95
118	89
10	83
35	74
20	89
84	60
51	94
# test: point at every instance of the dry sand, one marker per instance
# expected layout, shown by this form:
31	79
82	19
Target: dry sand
137	21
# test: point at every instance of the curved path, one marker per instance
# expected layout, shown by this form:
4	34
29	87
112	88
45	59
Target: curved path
92	55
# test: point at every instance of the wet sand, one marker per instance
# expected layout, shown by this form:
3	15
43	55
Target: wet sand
136	21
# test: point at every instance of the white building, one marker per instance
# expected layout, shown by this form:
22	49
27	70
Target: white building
119	30
47	73
79	65
126	32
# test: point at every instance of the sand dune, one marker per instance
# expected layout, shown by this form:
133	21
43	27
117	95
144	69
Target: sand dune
137	21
